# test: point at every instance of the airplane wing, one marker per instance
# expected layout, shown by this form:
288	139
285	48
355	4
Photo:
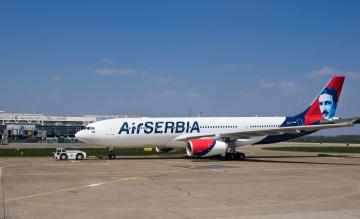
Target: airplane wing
338	123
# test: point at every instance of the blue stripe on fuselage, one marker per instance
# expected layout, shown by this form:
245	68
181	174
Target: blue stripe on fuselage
284	137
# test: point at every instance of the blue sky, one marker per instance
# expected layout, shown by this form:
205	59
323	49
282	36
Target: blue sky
162	58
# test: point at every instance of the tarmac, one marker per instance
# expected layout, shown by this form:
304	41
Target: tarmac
269	184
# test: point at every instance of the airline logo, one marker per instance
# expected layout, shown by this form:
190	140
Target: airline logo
324	106
328	102
160	127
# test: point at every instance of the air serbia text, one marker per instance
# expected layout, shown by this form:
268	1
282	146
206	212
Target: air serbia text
160	127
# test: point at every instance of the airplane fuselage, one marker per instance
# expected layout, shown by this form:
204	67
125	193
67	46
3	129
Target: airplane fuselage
154	132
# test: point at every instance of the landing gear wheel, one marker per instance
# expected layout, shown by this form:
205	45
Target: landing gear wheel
241	156
111	156
235	156
228	156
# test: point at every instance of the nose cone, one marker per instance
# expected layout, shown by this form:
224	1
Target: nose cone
80	135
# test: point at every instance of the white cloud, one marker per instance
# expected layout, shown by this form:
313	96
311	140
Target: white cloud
278	87
167	80
266	84
146	73
107	61
111	72
286	84
328	71
282	85
192	95
56	78
321	72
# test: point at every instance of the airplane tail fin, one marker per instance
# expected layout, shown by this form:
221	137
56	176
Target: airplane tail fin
325	104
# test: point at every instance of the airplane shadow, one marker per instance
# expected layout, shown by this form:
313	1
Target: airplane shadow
300	162
274	159
148	157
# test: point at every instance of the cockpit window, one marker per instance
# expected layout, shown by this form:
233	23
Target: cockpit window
89	128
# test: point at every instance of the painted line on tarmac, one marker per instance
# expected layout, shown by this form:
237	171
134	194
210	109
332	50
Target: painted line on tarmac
89	186
132	178
76	188
94	173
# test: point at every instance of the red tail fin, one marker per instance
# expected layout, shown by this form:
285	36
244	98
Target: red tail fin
324	105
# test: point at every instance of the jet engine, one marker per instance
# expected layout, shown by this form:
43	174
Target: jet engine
205	147
163	149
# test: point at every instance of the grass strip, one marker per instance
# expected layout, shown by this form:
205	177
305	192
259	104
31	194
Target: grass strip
317	149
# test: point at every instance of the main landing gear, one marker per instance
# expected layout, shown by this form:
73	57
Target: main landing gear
235	156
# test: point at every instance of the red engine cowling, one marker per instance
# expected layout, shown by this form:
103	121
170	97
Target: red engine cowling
205	147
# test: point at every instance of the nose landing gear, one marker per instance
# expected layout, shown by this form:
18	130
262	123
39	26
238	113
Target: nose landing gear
111	153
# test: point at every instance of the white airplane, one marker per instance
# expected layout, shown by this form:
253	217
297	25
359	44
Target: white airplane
208	136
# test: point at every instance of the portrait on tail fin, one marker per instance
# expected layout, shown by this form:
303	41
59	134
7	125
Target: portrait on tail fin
328	102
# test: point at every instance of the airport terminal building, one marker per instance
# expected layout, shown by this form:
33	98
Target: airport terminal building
32	128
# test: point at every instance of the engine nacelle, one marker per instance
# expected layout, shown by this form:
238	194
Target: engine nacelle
205	147
163	149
